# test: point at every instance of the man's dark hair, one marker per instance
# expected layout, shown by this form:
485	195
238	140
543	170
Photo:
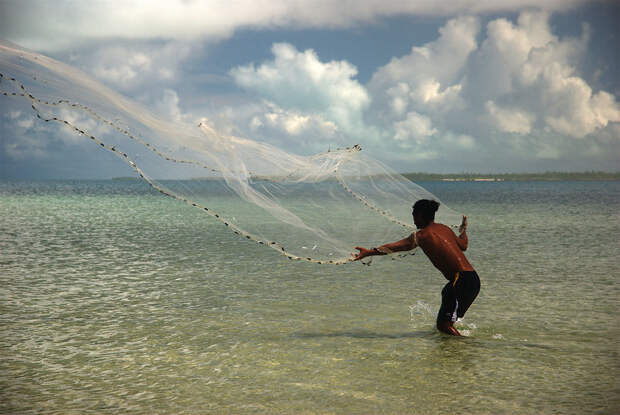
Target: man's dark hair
426	208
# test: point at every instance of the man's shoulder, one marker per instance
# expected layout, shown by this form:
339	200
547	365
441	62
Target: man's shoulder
425	233
439	228
432	229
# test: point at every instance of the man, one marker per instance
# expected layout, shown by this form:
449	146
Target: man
445	250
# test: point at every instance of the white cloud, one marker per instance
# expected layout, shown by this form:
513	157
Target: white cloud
80	120
169	105
44	25
439	60
300	82
516	91
130	67
459	142
519	91
25	123
292	122
573	109
25	146
256	123
23	141
526	63
416	127
413	95
265	121
14	114
20	119
511	120
504	51
429	77
120	66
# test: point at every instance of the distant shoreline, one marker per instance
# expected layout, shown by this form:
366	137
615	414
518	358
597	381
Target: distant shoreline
514	177
440	177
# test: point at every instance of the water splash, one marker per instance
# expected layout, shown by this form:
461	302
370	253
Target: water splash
466	329
421	314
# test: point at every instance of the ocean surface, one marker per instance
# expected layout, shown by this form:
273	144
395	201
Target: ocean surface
116	299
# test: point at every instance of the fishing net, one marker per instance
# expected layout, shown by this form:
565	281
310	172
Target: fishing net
310	208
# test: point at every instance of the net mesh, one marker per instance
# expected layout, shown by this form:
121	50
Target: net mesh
309	208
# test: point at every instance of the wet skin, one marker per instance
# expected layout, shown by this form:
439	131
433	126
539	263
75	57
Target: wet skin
444	249
441	246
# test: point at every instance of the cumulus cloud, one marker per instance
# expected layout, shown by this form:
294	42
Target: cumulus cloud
44	25
416	127
573	109
121	66
292	122
129	67
26	123
514	88
27	146
510	120
13	114
168	106
415	95
23	142
80	120
300	82
429	77
517	90
527	66
265	121
24	136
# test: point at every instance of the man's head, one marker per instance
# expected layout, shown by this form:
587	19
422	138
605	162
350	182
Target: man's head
424	212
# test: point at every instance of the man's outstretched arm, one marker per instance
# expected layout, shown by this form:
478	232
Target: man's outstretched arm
406	244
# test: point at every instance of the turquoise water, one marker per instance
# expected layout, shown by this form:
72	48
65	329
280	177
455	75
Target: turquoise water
116	299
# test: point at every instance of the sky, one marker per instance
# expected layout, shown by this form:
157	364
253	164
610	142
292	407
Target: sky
424	86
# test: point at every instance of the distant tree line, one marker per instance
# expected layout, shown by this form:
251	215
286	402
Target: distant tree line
546	176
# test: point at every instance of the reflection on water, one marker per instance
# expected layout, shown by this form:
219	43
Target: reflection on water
115	299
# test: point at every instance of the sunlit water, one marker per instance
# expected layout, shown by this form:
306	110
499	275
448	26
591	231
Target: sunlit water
114	299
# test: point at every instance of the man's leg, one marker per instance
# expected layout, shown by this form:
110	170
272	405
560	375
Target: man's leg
465	292
447	311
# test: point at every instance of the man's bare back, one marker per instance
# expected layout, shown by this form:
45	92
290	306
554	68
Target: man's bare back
444	249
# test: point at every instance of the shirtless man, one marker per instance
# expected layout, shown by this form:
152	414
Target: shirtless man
445	250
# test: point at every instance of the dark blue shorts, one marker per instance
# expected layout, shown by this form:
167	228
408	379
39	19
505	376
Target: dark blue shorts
457	296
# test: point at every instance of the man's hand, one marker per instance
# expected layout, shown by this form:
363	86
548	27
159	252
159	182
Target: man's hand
363	253
463	226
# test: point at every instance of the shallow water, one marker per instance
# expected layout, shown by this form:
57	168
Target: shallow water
116	299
